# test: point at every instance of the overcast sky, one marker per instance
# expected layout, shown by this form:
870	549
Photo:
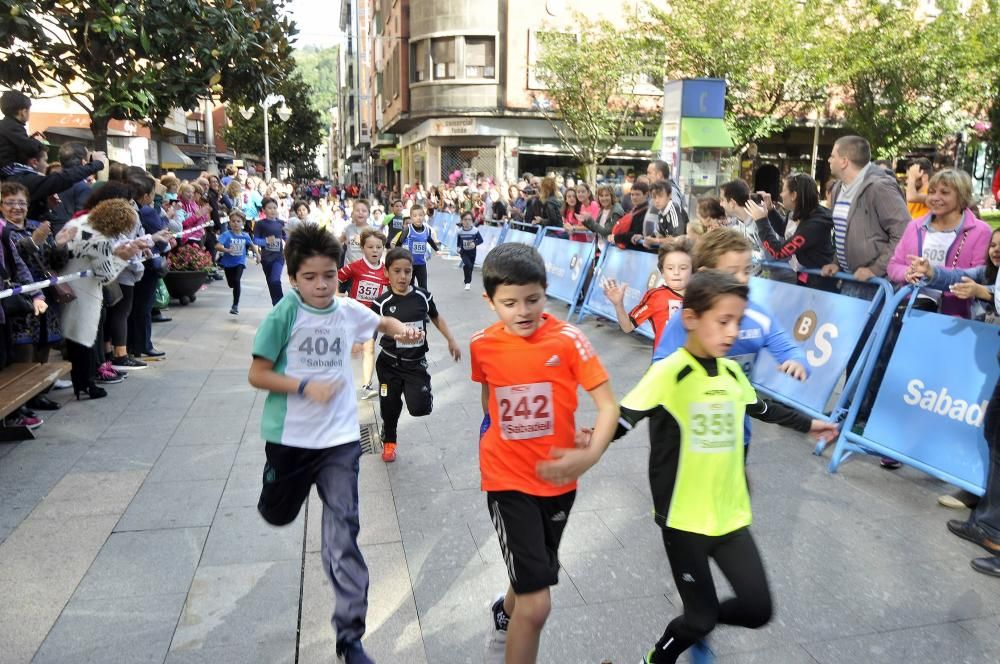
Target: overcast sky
318	22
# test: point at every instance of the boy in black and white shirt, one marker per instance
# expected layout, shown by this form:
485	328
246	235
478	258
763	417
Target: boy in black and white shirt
402	367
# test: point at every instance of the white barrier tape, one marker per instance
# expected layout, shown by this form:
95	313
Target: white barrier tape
74	276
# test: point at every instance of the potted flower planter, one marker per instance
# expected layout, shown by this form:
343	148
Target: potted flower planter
184	285
189	265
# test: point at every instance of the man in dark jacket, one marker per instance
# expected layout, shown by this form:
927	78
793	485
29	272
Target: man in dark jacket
29	170
14	139
71	201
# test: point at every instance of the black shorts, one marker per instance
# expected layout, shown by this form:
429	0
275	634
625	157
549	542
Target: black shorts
289	474
530	529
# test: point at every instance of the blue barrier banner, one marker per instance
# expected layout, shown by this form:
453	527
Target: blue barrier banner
491	238
932	401
566	265
519	236
637	269
447	231
828	327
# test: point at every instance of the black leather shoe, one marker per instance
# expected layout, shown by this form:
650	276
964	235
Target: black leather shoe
973	533
154	353
989	566
162	319
44	403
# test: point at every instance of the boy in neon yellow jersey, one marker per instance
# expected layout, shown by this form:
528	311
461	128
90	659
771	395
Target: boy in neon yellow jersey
696	469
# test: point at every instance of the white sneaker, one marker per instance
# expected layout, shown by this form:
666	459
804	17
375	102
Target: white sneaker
496	642
61	384
368	392
468	286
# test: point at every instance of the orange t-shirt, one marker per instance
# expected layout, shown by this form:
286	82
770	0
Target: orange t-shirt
532	383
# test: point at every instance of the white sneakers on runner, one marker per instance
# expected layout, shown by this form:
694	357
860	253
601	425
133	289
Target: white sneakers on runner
496	642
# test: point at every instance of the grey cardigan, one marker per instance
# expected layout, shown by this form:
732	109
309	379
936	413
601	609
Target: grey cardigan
875	222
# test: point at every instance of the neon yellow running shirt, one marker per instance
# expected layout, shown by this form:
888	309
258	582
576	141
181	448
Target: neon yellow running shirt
696	463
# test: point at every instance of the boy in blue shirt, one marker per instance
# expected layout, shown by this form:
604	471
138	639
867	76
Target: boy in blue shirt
727	250
302	358
417	237
235	244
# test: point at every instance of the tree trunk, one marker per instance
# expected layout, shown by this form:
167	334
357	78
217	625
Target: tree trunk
99	127
590	173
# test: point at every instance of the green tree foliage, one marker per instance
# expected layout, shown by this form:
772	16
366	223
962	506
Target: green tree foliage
293	142
773	54
912	78
319	68
591	78
137	60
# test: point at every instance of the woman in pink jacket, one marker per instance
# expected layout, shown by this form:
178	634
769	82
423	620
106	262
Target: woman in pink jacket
950	237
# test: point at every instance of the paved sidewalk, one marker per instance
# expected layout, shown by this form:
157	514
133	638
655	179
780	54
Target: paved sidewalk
129	533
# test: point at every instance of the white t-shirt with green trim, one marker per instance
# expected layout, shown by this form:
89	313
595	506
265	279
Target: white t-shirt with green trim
305	342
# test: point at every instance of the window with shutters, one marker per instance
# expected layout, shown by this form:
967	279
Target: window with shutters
443	58
418	59
480	57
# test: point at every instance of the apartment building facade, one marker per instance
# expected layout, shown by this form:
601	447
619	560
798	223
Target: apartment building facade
453	89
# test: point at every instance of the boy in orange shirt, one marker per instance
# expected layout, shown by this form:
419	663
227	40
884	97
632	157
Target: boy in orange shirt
530	365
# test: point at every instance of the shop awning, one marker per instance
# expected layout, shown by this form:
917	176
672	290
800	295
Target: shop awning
172	157
705	133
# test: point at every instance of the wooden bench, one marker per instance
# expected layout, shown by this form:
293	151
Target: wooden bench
19	384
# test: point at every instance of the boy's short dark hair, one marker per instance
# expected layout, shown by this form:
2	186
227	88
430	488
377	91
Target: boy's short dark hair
660	187
141	184
363	201
13	102
513	264
398	254
640	186
709	207
924	164
708	286
298	204
416	208
395	201
682	244
306	241
737	191
266	200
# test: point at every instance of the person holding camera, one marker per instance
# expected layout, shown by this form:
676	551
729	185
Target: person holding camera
734	199
44	189
806	231
918	176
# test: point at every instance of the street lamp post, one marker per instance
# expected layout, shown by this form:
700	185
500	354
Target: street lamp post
283	114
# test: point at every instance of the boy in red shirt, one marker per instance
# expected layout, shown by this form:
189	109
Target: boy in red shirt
530	365
368	281
659	304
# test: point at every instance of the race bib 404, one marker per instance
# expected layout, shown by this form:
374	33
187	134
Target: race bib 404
525	411
713	427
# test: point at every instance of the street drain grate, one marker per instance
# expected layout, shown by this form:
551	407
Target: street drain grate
371	440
